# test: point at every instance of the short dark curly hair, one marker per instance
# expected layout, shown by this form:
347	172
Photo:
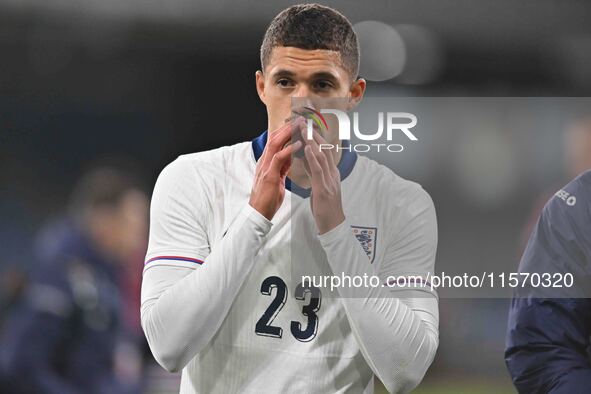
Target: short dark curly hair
313	26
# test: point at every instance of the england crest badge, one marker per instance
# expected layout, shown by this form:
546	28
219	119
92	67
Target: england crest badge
367	238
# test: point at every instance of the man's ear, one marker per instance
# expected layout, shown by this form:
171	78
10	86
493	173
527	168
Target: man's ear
356	92
260	83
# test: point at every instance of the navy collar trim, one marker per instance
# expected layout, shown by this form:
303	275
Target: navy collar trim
345	166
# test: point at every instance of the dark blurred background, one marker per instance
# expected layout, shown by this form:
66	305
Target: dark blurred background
81	82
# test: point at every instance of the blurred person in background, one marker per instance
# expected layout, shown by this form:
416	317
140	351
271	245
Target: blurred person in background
578	147
68	335
548	347
577	159
548	339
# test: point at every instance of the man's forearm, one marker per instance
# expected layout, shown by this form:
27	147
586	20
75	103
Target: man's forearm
397	341
182	308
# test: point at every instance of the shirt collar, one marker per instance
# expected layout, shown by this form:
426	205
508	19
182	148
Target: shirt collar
345	166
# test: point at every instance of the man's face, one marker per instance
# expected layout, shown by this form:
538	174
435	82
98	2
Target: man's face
122	230
313	77
578	147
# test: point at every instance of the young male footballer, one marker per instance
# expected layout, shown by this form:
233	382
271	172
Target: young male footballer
219	298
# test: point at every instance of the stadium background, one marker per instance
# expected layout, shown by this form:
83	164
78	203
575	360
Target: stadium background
147	81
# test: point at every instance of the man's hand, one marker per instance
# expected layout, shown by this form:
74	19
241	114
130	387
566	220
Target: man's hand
327	206
268	189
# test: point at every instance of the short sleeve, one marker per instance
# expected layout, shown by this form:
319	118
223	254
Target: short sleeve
411	248
179	217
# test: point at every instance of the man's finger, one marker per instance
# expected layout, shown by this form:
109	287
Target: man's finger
283	157
330	153
280	137
283	135
321	157
317	178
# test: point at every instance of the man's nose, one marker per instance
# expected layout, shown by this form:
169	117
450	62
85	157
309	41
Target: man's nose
302	92
303	97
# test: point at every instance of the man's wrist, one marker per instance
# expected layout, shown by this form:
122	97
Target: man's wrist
258	218
261	209
335	232
323	229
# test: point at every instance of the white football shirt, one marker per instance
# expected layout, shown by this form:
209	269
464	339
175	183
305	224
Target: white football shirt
278	336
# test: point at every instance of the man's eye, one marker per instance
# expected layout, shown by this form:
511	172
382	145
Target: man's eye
322	85
284	82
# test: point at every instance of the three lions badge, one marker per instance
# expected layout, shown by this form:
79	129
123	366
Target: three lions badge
367	238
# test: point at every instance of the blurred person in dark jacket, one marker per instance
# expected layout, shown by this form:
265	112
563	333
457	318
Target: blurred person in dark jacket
548	345
577	159
67	336
548	342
